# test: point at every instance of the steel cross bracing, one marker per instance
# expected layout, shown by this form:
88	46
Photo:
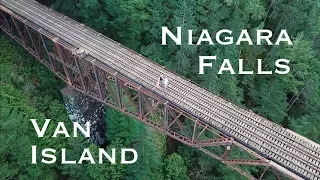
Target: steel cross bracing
186	112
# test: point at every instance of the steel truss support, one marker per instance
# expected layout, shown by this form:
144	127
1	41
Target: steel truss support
4	21
84	88
17	27
53	67
32	41
103	83
63	59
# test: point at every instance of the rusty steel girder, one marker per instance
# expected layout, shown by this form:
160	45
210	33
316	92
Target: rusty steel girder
103	83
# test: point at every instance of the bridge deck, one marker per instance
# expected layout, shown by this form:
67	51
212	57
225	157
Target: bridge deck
264	137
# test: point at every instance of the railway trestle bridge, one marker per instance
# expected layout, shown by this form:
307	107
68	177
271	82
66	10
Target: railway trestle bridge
125	80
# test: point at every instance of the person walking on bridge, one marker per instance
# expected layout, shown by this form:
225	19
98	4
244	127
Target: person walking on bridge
160	81
165	83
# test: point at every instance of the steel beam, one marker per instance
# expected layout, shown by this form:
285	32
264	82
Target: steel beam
6	23
246	162
263	172
19	31
53	67
31	39
140	101
118	92
98	81
80	74
165	116
61	56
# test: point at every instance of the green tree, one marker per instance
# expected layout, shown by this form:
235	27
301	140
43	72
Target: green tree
67	7
107	170
175	167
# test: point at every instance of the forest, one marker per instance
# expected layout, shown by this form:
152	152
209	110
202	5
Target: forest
28	89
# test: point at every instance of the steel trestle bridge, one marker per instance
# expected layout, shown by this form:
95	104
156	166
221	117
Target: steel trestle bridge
125	80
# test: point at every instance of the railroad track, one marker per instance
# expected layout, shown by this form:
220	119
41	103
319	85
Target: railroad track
266	138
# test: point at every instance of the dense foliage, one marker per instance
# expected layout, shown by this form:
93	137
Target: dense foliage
28	90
